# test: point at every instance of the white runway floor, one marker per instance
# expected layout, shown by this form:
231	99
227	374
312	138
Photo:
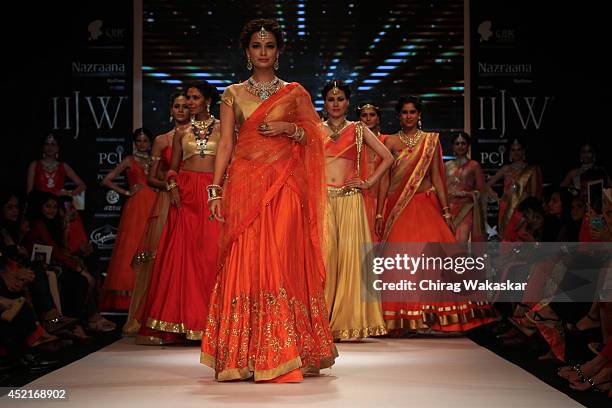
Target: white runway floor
450	372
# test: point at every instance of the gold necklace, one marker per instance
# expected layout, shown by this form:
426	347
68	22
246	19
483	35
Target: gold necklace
336	130
202	129
410	141
265	89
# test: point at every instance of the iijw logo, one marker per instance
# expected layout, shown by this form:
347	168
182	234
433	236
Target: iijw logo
529	110
103	109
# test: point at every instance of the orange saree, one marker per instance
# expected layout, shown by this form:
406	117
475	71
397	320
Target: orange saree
267	315
416	217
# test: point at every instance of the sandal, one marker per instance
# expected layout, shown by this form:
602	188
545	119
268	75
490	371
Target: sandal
59	323
566	371
592	385
9	314
102	325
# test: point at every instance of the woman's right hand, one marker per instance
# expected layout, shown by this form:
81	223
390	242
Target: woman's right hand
379	227
175	197
215	210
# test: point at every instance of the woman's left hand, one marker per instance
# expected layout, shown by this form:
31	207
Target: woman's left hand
270	129
135	188
356	182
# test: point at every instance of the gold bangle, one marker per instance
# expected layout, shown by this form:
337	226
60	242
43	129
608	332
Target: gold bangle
213	191
379	217
367	183
215	198
171	185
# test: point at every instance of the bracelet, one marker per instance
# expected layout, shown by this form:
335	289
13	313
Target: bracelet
155	158
367	184
298	135
171	173
127	193
171	185
445	208
447	216
379	217
214	192
214	198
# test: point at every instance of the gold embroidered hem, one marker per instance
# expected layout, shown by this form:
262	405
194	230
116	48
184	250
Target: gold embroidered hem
447	318
244	373
174	328
359	333
333	192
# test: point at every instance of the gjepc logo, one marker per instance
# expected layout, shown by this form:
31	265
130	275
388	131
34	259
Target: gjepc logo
95	29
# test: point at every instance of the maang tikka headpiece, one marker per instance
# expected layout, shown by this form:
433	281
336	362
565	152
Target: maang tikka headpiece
335	88
50	138
263	34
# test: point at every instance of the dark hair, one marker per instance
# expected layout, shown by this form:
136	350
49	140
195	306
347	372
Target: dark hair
144	131
464	135
336	83
368	104
174	96
50	134
415	100
566	197
206	89
36	200
253	26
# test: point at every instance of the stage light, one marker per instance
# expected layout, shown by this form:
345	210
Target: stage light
158	74
379	74
371	81
364	88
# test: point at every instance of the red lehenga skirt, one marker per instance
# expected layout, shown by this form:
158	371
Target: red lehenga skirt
421	222
119	280
185	266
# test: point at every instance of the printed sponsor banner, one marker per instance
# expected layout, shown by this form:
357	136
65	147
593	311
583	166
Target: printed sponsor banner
90	109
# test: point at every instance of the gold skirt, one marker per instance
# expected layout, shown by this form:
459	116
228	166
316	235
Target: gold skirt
353	305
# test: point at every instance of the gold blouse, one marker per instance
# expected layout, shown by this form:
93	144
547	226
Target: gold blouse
191	149
243	108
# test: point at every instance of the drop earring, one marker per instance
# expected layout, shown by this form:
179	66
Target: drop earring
249	64
276	64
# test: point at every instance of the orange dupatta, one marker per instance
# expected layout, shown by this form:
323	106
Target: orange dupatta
407	173
262	165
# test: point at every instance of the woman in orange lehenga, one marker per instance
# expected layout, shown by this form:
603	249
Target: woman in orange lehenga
184	271
119	281
144	257
268	318
521	180
415	193
465	182
353	305
369	114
